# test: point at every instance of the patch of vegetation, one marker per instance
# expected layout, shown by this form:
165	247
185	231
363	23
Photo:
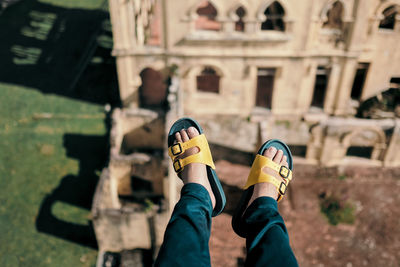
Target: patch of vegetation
53	137
342	177
47	179
337	210
87	4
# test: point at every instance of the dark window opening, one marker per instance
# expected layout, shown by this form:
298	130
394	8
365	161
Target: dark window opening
239	25
359	80
153	91
334	16
208	81
395	82
360	151
265	86
321	83
298	150
207	17
389	19
275	14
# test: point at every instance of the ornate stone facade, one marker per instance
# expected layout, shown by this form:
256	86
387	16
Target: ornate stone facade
315	39
248	71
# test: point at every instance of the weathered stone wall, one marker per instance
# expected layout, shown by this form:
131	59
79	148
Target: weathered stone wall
137	144
326	141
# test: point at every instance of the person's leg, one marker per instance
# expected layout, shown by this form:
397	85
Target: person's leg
267	240
188	232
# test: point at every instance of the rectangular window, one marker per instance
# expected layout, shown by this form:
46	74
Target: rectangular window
360	151
208	81
298	150
265	86
359	80
321	84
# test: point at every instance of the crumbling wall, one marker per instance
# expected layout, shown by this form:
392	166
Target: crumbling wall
328	141
128	207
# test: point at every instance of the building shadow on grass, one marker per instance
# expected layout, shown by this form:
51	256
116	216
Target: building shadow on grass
56	50
78	191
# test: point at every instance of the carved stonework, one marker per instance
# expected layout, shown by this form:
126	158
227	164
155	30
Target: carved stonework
143	12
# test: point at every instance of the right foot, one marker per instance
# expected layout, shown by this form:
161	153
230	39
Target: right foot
193	172
267	189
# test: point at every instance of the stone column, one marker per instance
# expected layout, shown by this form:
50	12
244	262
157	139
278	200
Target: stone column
128	80
392	156
342	100
250	98
307	85
314	146
397	23
312	37
227	24
250	26
333	85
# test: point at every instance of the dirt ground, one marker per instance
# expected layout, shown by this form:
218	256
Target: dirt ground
372	240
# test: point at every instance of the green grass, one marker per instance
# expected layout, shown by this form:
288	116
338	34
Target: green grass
82	4
337	210
53	139
34	161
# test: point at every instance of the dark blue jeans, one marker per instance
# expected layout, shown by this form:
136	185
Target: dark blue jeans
188	232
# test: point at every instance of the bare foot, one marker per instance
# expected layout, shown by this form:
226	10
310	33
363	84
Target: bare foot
193	172
267	189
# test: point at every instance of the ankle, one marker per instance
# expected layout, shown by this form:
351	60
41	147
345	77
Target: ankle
264	190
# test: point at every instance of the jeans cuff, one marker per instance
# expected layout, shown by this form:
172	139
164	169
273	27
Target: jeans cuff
199	192
261	203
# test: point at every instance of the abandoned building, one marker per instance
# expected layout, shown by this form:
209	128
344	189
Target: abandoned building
248	71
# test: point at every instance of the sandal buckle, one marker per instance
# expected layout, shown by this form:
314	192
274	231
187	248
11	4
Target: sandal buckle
282	188
177	165
284	172
176	149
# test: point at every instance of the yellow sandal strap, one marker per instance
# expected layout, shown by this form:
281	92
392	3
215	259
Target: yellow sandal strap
203	156
258	176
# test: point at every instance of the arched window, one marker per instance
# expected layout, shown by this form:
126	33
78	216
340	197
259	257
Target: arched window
206	20
389	18
239	24
208	80
153	91
334	16
275	14
365	143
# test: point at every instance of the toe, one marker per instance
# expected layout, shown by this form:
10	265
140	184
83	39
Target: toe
270	152
278	156
192	132
184	135
286	164
283	161
178	137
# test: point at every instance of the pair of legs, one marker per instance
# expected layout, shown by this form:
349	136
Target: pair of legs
187	235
